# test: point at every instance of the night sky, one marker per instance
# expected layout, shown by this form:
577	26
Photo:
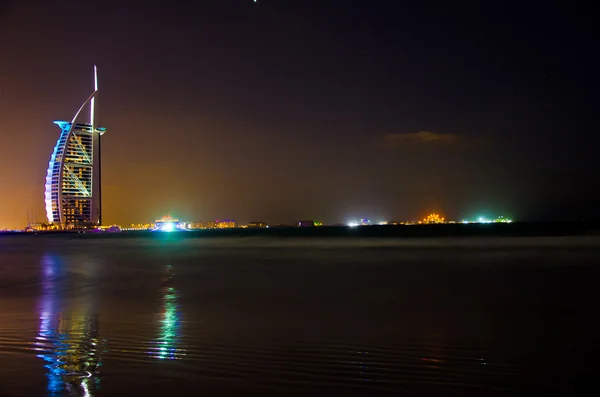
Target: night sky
289	109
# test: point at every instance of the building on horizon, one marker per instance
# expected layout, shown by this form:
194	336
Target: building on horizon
433	219
169	224
140	226
257	225
41	227
73	179
203	225
361	222
217	224
225	224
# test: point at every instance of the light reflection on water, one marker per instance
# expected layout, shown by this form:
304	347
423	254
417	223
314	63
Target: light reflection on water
165	346
232	316
68	340
68	337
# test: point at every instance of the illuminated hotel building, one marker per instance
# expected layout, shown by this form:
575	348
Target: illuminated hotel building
73	179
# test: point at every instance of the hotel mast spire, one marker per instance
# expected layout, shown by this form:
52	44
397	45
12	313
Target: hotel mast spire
93	103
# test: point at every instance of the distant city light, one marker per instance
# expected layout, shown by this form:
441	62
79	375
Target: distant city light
168	227
481	219
361	222
168	224
433	218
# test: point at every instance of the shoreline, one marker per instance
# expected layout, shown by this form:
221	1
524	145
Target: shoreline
515	229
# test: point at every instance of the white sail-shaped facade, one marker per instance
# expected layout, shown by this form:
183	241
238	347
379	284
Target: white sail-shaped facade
73	180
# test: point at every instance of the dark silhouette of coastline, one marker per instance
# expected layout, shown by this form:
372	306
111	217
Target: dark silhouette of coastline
515	229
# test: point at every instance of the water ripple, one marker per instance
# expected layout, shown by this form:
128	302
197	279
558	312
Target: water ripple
289	364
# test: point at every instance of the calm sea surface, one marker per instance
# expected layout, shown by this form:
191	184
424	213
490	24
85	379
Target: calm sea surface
166	316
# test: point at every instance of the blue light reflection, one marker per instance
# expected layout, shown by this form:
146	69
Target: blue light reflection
67	341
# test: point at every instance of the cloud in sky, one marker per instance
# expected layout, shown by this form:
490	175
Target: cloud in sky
423	137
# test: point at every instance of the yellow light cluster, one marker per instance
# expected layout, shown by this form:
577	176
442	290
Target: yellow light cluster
141	226
42	226
433	218
227	224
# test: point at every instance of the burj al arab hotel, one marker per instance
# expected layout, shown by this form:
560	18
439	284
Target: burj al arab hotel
73	180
